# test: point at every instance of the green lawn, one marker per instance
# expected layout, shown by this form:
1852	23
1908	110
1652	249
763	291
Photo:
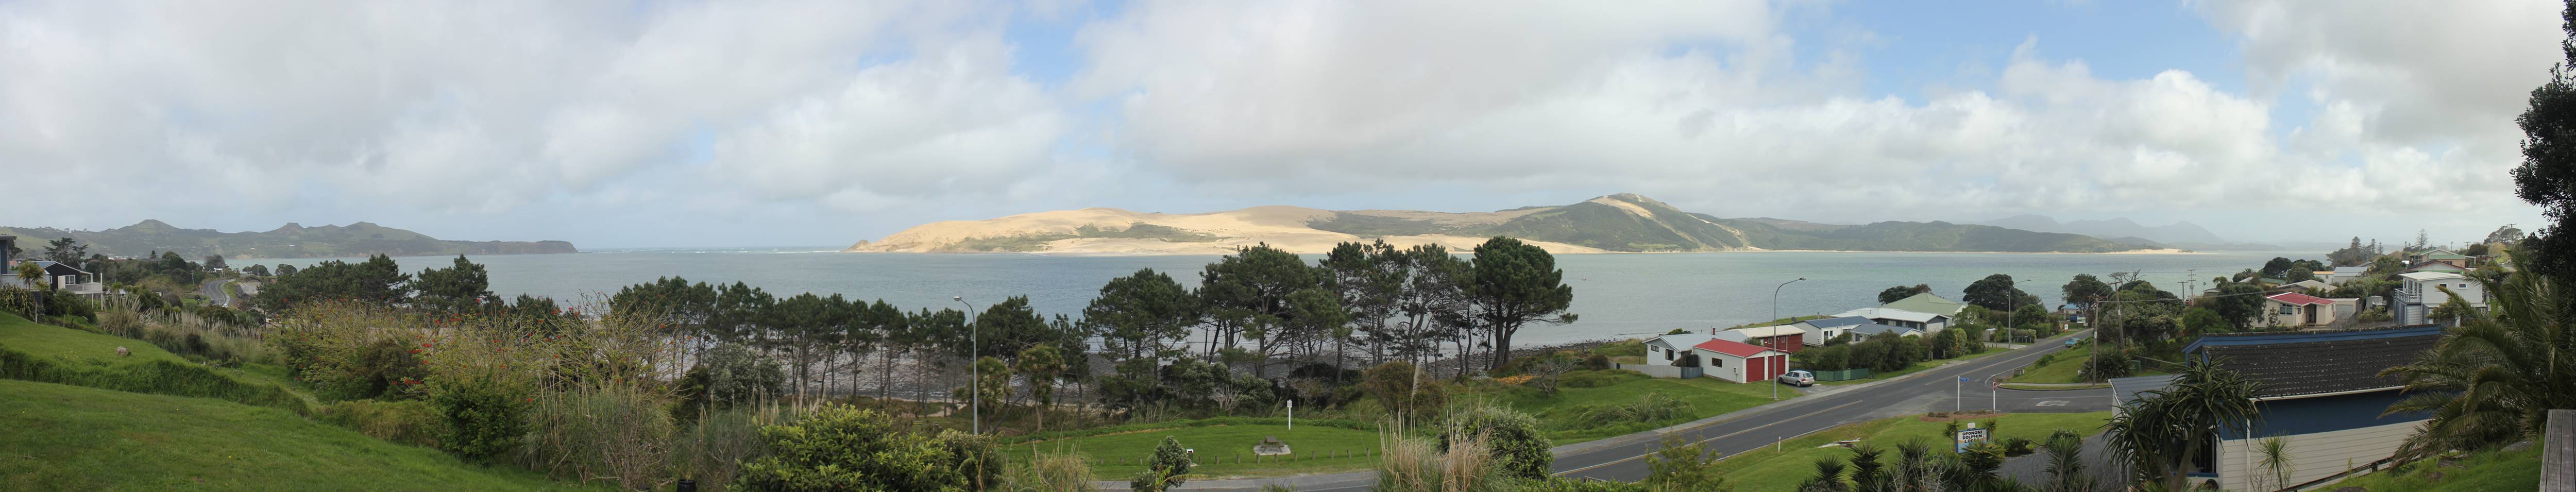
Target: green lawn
58	343
1766	469
73	438
1223	450
1707	398
2495	470
1917	367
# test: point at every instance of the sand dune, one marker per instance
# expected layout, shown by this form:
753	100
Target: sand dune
1282	227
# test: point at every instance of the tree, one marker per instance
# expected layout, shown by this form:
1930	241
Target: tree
31	274
1248	292
2275	454
1370	279
2479	249
2277	268
1899	293
2353	255
2237	302
66	250
1042	365
1679	465
1996	292
2504	235
285	269
2199	321
2492	380
1164	471
1137	316
1514	284
2084	289
256	270
459	288
2066	463
215	263
376	281
2160	431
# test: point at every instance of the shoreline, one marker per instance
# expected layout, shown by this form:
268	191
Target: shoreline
2163	251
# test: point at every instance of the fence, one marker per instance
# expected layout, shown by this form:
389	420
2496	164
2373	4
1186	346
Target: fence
1663	371
1842	375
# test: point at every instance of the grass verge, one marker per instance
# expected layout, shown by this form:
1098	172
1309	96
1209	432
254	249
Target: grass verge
1917	367
1562	415
1223	447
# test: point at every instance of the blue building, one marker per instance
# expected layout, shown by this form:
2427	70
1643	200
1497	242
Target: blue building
2323	397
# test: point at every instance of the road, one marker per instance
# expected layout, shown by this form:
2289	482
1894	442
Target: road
1622	458
214	291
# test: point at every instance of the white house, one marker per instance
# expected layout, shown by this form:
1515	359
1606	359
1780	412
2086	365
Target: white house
1874	329
2346	274
2421	292
2292	309
1928	322
1740	362
1821	329
63	277
1669	349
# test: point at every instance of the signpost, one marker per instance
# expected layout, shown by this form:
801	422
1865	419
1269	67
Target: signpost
1968	437
1957	404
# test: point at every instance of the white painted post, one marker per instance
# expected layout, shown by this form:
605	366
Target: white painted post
1292	414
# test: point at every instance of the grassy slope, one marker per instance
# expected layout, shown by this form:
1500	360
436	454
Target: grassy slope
74	438
2061	369
1795	461
1114	455
94	350
2519	470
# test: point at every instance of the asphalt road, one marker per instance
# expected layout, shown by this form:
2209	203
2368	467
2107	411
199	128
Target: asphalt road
214	291
1622	458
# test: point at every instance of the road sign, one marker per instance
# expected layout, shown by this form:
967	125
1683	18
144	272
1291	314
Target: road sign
1969	437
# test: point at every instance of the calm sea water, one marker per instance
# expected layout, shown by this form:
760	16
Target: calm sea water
1617	295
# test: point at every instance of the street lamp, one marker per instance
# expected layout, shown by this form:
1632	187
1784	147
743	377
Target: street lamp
1775	332
2012	301
975	382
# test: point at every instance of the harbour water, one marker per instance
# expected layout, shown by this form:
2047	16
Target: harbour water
1617	295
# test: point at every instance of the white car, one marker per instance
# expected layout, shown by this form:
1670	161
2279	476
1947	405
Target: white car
1799	378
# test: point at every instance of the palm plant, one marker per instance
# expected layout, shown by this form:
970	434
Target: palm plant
1867	474
1914	468
1828	478
2276	459
2492	380
2158	435
2066	463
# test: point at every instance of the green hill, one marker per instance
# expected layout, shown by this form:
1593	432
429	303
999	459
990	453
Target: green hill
289	241
1630	222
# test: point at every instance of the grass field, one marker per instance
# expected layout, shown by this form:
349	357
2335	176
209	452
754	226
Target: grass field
59	343
1766	469
74	438
81	358
2494	470
1223	450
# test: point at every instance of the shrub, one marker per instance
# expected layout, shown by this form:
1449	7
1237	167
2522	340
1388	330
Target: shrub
846	448
411	422
1051	472
1164	472
711	447
1513	437
2018	446
618	433
485	416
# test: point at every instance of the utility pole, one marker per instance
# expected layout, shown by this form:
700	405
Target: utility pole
1775	334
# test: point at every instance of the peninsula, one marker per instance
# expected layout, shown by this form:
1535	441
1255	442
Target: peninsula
1620	223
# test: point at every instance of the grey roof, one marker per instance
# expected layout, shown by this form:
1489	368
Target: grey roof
2351	270
1873	329
1835	321
2125	391
1679	341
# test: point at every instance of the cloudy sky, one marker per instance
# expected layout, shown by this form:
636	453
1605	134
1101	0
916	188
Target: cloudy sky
642	123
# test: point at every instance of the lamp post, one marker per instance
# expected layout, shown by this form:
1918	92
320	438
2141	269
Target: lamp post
975	382
2012	301
1775	332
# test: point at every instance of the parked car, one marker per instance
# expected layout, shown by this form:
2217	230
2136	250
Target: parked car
2073	341
1799	378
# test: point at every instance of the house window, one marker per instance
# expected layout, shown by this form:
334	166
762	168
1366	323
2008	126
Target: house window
2289	310
1721	361
1668	355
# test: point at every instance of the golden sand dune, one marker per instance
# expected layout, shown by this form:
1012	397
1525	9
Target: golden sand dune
1083	231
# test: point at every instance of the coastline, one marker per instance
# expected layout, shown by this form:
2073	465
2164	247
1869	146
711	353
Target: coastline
2164	251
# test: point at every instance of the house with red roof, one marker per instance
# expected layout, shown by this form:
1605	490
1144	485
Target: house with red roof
1738	361
2296	310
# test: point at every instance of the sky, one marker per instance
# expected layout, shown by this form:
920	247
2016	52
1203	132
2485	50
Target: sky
787	123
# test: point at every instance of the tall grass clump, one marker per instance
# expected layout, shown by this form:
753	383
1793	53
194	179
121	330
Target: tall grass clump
160	377
712	447
411	422
618	433
1051	472
1415	464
